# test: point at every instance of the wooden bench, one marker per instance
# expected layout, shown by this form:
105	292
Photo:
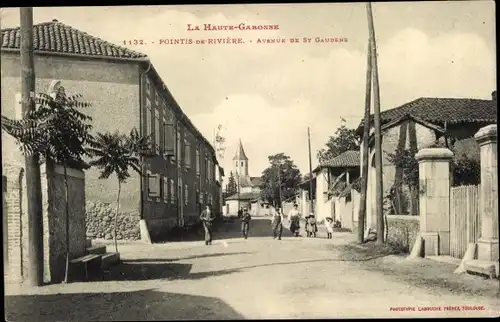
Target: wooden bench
89	262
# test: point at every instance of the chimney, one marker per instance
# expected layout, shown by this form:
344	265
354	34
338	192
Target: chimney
494	96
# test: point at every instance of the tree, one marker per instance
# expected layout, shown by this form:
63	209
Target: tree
280	179
344	139
117	153
58	133
232	186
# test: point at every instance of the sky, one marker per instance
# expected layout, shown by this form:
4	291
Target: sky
266	94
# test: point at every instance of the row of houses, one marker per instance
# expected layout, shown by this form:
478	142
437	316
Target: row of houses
125	91
424	122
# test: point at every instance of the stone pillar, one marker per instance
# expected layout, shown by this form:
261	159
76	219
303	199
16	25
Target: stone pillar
487	248
434	186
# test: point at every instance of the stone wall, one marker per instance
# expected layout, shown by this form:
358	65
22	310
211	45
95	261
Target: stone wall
56	215
100	219
403	231
54	220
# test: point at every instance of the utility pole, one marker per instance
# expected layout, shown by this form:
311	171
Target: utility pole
33	180
279	186
238	189
378	138
366	154
310	172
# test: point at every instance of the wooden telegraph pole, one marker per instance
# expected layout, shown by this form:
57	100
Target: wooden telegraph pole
366	154
310	173
279	187
378	138
34	186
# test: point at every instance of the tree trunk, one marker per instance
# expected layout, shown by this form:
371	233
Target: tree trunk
66	201
366	155
116	215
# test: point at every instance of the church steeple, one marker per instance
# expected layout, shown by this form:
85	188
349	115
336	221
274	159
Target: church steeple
240	153
240	161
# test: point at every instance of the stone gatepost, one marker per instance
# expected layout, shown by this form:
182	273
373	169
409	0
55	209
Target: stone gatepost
434	186
487	246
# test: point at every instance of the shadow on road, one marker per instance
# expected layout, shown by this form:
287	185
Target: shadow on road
146	305
164	269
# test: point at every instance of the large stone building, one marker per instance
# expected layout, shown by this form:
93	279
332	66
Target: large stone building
125	91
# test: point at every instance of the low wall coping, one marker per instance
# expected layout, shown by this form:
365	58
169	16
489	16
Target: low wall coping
404	217
486	134
437	154
59	169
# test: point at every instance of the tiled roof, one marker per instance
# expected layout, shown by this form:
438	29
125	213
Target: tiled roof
346	159
256	181
440	110
56	37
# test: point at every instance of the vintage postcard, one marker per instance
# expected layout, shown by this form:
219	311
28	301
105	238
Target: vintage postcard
250	161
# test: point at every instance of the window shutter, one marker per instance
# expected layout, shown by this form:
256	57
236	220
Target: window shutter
197	162
157	131
172	191
152	185
179	146
187	154
149	120
169	138
165	189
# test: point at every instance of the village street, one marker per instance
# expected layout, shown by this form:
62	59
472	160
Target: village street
242	279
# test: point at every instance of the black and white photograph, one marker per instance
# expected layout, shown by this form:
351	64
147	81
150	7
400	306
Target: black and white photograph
250	161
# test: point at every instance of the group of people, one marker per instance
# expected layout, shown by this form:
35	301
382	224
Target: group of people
207	217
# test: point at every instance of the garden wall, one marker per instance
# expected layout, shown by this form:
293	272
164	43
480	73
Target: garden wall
403	231
101	220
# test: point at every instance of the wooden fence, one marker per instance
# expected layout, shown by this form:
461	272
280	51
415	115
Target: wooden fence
464	218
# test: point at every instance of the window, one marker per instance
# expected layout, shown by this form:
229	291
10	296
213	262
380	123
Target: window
149	128
165	189
172	191
198	196
179	145
153	185
156	99
201	198
197	161
209	170
206	168
157	131
187	153
236	163
186	191
148	89
241	163
168	134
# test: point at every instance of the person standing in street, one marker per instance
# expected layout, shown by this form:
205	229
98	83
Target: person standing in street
207	217
311	225
245	222
294	219
329	227
277	224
